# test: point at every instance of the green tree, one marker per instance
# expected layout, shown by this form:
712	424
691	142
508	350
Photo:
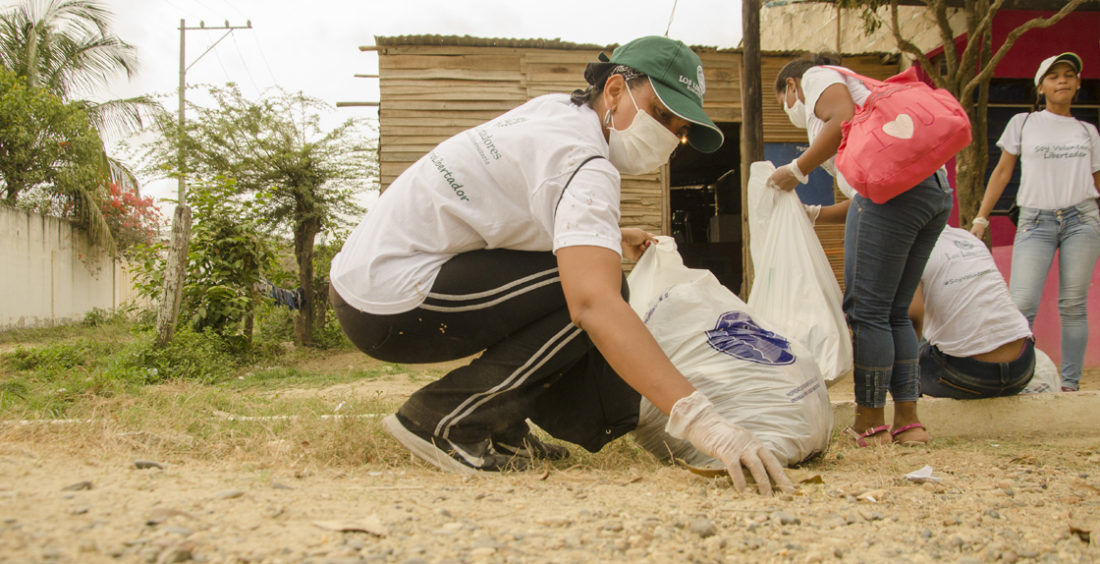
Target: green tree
66	47
46	142
276	145
966	73
226	258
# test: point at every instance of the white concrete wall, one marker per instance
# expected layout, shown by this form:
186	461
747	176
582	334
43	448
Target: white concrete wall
50	274
813	27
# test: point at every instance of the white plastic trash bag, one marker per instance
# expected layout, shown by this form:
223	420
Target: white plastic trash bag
753	376
794	287
1046	378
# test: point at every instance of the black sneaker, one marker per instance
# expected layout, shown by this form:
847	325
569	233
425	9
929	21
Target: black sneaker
447	455
530	447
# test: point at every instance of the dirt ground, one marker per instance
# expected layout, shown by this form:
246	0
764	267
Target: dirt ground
1008	500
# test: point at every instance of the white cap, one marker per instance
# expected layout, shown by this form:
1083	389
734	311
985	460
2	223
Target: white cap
1067	57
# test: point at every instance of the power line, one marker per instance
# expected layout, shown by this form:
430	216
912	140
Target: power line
670	16
247	70
263	55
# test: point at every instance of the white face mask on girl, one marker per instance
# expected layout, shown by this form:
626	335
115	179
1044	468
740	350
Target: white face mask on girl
797	113
643	146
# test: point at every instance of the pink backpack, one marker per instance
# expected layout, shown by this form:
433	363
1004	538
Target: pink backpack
901	135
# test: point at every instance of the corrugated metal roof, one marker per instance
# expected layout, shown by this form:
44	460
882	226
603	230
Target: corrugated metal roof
471	41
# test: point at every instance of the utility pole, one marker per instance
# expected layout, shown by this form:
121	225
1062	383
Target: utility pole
752	123
176	270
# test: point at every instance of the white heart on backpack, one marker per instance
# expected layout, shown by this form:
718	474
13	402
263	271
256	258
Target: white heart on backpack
901	127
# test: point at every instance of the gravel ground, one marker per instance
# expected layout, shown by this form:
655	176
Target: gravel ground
1003	501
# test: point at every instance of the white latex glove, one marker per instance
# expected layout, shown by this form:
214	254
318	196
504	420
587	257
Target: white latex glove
694	418
812	211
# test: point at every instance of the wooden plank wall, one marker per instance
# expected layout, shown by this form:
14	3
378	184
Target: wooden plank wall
430	93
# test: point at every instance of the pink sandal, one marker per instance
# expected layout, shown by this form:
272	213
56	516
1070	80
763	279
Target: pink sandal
905	428
861	438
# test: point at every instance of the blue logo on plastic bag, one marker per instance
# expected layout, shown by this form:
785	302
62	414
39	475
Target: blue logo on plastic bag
737	335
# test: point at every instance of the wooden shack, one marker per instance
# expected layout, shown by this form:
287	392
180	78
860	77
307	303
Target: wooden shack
432	87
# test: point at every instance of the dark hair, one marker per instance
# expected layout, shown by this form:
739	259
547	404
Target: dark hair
799	66
596	75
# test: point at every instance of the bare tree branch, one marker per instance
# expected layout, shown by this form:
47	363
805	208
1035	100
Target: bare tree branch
947	39
909	47
1037	23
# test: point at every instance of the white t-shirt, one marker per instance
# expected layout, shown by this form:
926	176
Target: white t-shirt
967	307
1058	155
496	186
814	82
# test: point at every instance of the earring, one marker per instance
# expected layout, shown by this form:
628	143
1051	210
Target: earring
607	119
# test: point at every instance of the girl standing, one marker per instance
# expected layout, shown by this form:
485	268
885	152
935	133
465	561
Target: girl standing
1060	179
885	250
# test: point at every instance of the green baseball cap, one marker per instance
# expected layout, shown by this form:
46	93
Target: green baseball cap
676	74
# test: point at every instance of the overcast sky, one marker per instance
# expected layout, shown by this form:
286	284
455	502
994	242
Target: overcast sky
313	45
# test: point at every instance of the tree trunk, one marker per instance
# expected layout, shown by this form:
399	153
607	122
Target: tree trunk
250	315
174	275
305	234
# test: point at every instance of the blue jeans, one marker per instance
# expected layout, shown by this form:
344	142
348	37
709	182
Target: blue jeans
946	376
885	249
1075	233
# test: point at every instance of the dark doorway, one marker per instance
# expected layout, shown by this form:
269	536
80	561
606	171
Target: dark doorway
705	206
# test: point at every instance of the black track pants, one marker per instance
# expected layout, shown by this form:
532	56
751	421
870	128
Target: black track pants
535	363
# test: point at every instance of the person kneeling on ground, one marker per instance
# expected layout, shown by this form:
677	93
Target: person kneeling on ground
977	343
505	240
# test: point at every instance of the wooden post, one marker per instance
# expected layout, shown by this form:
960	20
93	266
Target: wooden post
174	275
752	123
176	269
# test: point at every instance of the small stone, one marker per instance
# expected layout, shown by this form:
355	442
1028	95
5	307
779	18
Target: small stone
482	552
147	464
280	486
445	513
179	553
228	494
85	485
162	514
785	518
704	528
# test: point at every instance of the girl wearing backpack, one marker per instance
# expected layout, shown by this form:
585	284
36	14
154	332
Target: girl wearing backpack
885	249
1060	178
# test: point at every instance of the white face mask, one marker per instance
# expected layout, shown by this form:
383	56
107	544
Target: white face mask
643	146
796	114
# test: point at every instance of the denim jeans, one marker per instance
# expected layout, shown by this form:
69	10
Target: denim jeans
1075	233
946	376
885	249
